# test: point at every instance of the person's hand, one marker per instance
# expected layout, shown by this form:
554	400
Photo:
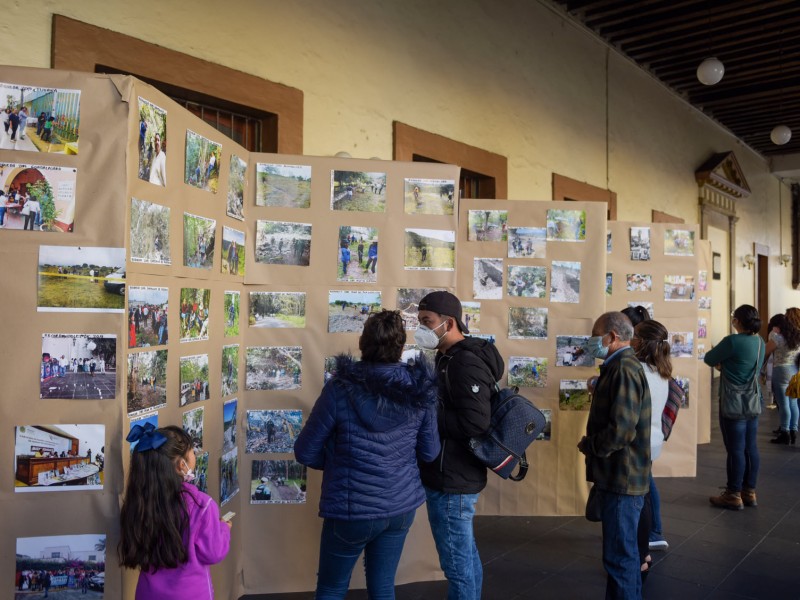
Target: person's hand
591	382
228	523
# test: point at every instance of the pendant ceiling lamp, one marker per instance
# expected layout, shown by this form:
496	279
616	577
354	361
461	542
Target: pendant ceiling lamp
710	71
780	135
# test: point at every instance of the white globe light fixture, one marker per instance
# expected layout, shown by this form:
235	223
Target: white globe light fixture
710	71
780	135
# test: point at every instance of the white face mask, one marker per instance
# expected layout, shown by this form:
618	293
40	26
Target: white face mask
188	476
426	338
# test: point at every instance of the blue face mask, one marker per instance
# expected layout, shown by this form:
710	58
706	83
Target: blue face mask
595	346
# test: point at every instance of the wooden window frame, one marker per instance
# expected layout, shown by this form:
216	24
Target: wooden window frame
565	188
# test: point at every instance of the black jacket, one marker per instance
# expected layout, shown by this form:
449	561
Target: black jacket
473	367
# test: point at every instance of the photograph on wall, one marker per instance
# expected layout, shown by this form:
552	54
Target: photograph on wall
228	476
471	316
678	242
430	249
288	186
272	430
78	366
277	482
85	554
147	316
573	394
702	328
702	281
200	480
232	252
230	312
199	234
527	282
229	419
566	225
429	196
608	241
195	307
639	282
283	243
489	337
573	351
193	426
194	379
527	323
640	243
40	119
565	282
648	306
678	288
230	370
487	226
701	351
59	458
684	383
329	369
547	432
37	198
152	143
609	283
149	241
237	182
81	279
413	353
141	421
527	242
357	254
147	381
277	309
487	278
349	310
358	191
681	344
704	302
201	169
527	371
408	303
274	368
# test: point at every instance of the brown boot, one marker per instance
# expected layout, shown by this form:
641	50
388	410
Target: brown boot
728	499
749	497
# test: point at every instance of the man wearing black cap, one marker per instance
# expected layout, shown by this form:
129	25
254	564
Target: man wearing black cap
468	369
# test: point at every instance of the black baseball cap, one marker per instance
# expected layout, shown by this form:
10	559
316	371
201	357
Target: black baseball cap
444	303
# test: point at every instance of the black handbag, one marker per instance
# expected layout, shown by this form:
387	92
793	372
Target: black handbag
740	401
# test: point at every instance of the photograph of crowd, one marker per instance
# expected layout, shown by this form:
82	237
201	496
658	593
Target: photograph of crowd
573	394
487	226
272	430
678	242
37	198
573	351
408	303
288	186
237	182
199	234
566	225
201	169
60	566
277	482
527	323
147	381
527	371
152	143
81	279
228	476
527	282
471	314
565	282
232	252
527	242
487	278
430	249
78	366
283	243
149	239
358	191
230	311
678	288
274	368
640	243
195	307
639	282
147	316
229	418
348	310
357	254
681	344
230	370
429	196
277	309
193	426
194	379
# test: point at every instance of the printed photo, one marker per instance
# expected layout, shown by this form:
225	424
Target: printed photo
566	225
678	288
231	313
201	169
527	323
147	316
640	243
85	554
704	302
358	191
232	252
608	241
59	458
639	282
573	351
274	368
147	381
527	282
152	143
702	281
37	197
283	243
193	426
142	420
487	226
77	366
609	284
277	309
573	394
429	196
678	242
681	344
684	383
229	420
430	249
237	182
228	476
648	306
195	307
277	482
349	310
40	119
200	480
471	315
230	369
408	303
527	242
702	328
701	351
487	278
413	353
489	337
329	369
199	234
149	239
527	371
272	430
565	282
357	254
81	279
547	432
283	185
194	379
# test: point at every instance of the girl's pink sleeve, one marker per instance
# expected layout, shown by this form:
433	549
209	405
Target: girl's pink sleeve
213	537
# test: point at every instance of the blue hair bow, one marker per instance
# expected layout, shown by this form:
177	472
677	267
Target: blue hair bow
147	437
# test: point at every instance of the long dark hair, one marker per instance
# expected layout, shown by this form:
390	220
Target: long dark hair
653	346
153	518
792	333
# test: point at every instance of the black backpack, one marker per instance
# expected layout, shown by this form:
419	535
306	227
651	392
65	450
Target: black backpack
515	422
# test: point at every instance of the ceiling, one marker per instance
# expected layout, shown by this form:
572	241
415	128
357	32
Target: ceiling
758	41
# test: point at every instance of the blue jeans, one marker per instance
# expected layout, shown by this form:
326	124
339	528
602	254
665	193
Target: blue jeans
739	437
787	407
655	503
451	516
620	516
342	542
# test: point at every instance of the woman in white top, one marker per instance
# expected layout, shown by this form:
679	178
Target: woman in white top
784	346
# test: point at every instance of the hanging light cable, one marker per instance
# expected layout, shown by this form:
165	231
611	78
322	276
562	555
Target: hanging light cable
711	70
780	134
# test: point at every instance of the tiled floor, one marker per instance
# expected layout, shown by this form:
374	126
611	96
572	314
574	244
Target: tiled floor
714	554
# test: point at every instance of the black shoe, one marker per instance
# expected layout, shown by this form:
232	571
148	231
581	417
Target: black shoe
792	436
778	430
783	438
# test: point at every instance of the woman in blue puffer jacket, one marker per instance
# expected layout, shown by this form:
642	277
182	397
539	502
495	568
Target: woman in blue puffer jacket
371	423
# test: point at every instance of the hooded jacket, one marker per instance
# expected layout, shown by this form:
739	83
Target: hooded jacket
473	366
367	430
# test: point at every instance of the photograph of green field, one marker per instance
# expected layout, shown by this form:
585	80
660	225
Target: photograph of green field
566	225
358	191
487	226
429	196
349	310
81	279
283	185
573	394
277	309
430	249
